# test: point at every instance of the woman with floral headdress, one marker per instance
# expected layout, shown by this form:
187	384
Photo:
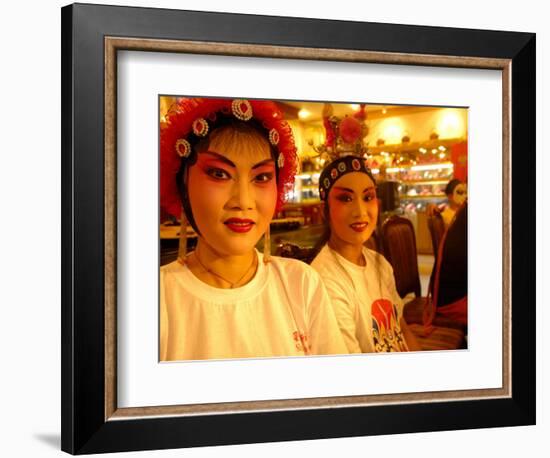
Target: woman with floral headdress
225	168
360	281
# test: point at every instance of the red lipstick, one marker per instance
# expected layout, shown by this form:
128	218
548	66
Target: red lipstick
359	227
239	225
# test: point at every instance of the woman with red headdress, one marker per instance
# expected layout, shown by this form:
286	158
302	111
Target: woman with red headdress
226	165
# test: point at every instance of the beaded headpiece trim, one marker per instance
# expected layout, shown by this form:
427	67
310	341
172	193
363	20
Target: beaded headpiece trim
338	168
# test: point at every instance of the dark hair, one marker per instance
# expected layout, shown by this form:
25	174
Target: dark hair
201	144
325	235
451	185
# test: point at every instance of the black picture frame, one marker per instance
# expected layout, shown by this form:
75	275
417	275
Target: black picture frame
85	426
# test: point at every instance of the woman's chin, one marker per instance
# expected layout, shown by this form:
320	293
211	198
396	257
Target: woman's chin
359	238
231	243
240	247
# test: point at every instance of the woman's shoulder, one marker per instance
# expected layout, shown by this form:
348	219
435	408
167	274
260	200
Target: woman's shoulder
296	278
323	261
330	270
172	267
377	260
291	266
447	214
373	255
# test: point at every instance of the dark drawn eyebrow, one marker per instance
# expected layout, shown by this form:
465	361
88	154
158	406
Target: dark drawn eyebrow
221	158
264	162
340	188
231	164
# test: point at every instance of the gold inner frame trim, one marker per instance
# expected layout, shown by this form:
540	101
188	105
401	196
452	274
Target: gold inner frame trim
114	44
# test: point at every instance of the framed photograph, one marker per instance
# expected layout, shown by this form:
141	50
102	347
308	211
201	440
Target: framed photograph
206	155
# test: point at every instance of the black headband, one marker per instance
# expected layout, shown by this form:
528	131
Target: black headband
338	168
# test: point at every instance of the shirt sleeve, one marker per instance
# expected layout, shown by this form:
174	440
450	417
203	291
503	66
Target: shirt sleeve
326	338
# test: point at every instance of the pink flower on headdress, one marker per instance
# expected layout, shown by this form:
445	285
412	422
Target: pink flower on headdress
350	129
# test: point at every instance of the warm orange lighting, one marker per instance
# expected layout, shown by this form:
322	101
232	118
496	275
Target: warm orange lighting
451	124
304	114
393	133
432	166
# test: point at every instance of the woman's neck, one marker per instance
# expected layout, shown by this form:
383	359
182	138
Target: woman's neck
219	270
453	206
352	252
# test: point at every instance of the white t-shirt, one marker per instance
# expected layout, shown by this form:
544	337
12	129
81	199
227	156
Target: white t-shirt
283	311
365	300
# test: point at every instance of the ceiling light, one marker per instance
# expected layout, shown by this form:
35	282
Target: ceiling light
303	113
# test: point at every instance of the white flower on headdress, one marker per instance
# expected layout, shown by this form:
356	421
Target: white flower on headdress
342	167
281	160
241	109
183	148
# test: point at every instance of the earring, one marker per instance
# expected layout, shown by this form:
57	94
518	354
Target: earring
267	246
182	249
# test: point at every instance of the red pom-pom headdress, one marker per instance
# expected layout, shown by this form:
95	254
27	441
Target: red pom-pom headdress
190	120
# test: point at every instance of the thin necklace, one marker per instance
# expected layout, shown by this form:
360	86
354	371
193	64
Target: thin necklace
231	284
